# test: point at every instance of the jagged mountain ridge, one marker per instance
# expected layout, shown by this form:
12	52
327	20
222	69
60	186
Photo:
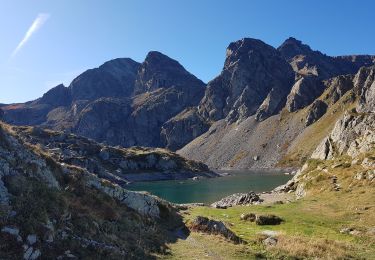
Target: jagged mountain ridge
165	105
236	89
122	102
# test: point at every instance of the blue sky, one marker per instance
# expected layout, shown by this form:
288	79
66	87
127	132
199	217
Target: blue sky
71	36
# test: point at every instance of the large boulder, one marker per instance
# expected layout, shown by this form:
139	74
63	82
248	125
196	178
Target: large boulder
268	220
206	225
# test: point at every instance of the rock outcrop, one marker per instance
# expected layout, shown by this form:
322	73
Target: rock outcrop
304	92
160	71
317	109
183	128
116	164
237	199
354	133
364	83
205	225
337	87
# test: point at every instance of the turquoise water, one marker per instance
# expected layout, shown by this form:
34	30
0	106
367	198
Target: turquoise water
213	189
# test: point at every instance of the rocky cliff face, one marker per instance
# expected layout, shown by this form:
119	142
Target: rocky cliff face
303	92
344	159
316	104
183	128
354	133
255	80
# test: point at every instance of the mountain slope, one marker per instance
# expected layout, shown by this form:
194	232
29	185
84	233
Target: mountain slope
286	139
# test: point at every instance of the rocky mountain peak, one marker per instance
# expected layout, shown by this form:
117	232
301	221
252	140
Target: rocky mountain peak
121	67
243	49
253	71
57	96
292	47
161	71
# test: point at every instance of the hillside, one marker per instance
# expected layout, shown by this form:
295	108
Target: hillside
52	209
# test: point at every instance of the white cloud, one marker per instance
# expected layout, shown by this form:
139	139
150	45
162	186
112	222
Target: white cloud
35	26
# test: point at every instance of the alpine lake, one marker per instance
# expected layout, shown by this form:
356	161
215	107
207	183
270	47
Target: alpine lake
208	190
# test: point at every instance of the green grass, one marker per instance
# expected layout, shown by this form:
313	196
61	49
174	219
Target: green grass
311	227
308	223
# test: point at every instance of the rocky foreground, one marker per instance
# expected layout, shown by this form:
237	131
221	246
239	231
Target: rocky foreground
62	196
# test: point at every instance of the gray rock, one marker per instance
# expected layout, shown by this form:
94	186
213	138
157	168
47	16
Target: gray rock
4	195
104	154
364	83
238	199
270	233
183	128
114	78
203	224
31	239
304	92
35	255
316	111
28	253
337	87
248	216
324	151
368	163
270	241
